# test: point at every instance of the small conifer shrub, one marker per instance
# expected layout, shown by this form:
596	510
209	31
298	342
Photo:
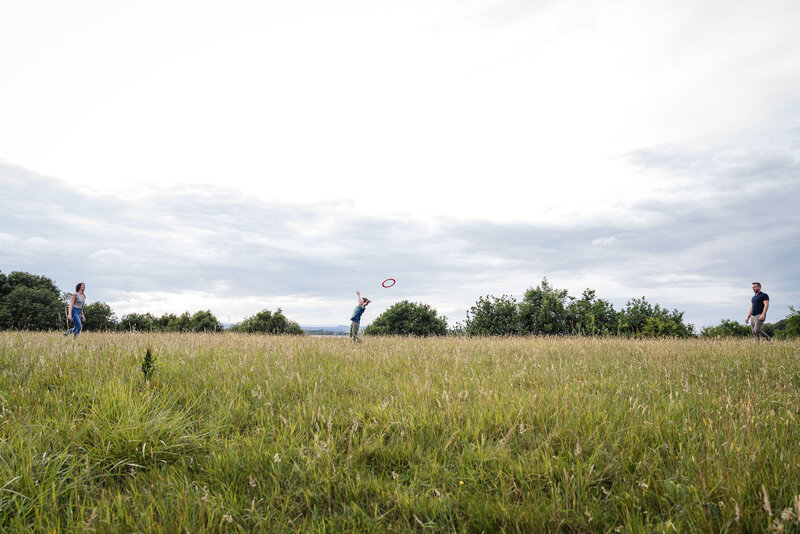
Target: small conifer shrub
148	365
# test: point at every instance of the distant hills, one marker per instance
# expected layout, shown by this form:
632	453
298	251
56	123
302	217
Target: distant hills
339	330
313	330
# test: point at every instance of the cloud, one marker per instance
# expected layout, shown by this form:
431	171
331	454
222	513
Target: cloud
201	247
601	241
736	217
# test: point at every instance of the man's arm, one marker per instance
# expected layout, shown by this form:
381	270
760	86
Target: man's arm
749	313
360	300
764	313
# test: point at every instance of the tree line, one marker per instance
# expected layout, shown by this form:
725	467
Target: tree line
33	302
543	310
546	310
788	327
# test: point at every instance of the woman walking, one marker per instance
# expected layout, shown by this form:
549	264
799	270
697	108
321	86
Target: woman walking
75	313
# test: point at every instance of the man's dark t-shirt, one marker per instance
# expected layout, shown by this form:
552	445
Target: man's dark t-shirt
758	302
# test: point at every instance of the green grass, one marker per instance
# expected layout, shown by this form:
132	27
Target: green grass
241	433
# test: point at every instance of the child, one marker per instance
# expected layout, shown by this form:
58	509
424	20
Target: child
356	318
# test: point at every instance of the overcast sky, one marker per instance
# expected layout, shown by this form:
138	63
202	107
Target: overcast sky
246	155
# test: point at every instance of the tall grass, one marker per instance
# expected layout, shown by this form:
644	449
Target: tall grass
236	433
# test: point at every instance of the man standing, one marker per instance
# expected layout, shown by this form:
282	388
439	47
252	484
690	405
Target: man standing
356	318
759	305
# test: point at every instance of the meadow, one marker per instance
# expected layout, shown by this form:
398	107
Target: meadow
244	433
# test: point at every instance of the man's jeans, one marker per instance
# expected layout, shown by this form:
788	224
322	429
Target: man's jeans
757	332
354	326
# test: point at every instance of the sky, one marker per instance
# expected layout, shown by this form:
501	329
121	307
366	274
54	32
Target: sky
242	156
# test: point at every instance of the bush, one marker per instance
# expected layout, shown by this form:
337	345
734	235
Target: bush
543	310
590	315
33	309
642	319
408	319
99	317
727	328
30	302
138	322
493	316
204	321
266	322
790	325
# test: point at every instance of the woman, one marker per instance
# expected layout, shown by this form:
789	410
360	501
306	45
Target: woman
75	312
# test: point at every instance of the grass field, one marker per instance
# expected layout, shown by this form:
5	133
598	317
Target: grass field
261	433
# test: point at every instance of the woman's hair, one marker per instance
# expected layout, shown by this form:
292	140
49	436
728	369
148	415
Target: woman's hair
78	287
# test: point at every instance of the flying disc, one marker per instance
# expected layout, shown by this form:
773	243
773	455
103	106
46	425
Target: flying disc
389	282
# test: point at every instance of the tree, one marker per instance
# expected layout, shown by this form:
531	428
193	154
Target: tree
788	327
793	323
5	313
633	317
33	309
590	315
138	322
204	321
493	316
543	310
408	319
641	319
99	317
201	321
165	323
726	328
458	329
29	301
267	322
169	322
658	327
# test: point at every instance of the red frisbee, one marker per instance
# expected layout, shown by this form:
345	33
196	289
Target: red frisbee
389	282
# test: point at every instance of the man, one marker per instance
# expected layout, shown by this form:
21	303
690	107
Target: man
356	318
759	305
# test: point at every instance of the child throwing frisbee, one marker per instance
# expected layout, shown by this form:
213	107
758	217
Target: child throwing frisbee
355	320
